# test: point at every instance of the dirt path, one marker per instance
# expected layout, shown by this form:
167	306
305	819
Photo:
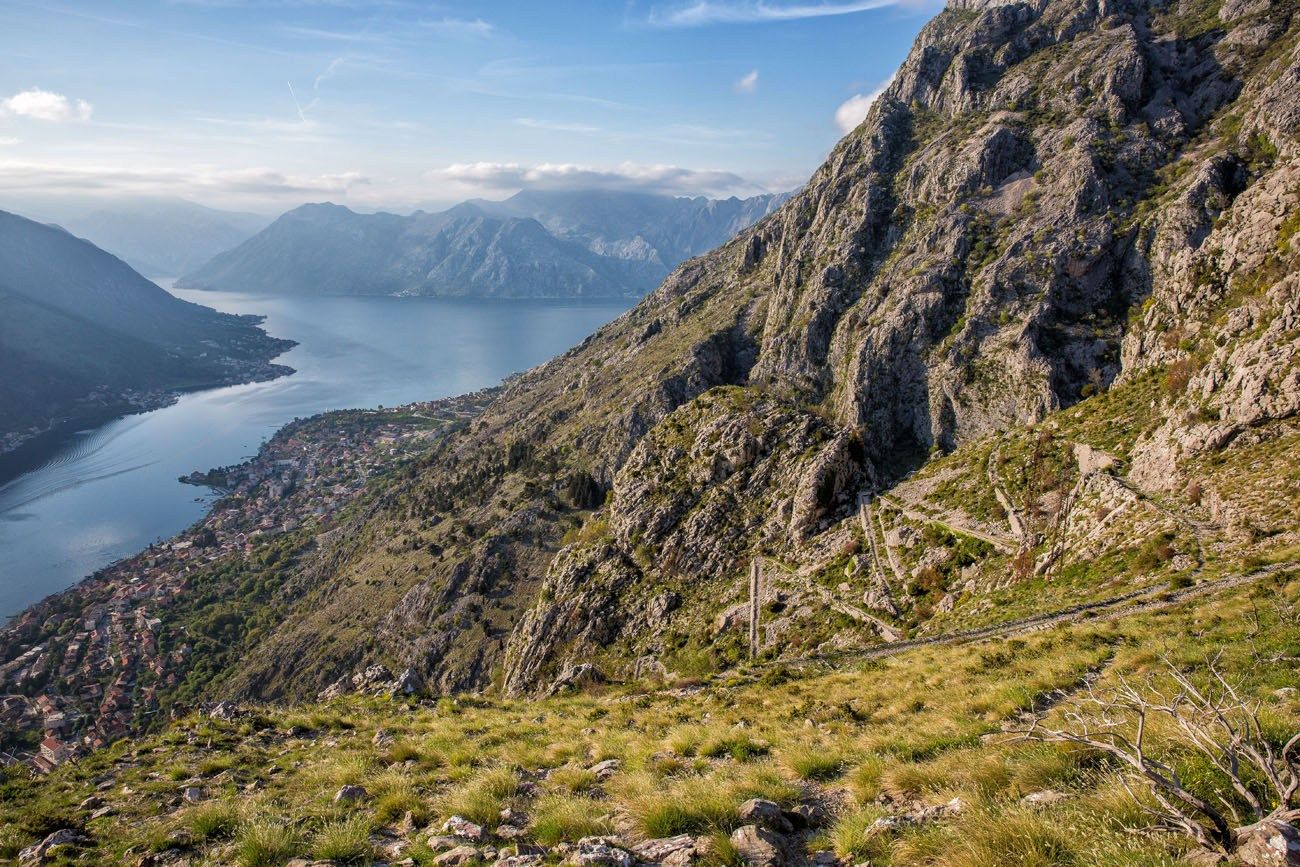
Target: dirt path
1002	543
1114	608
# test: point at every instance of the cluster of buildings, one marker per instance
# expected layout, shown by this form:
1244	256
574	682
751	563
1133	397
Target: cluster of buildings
86	667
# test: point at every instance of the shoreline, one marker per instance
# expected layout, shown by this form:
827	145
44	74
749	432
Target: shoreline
21	454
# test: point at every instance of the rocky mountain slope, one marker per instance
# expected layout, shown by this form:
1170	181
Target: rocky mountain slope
535	244
1020	358
1027	340
85	337
1054	206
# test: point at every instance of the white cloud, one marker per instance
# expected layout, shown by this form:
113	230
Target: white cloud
702	12
628	177
46	105
557	126
18	176
747	83
10	141
854	109
475	27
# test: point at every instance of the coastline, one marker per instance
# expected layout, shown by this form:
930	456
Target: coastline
23	451
113	648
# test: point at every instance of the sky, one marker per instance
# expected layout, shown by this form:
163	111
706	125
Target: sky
260	105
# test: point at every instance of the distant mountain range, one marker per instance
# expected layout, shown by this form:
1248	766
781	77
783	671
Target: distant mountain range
83	336
534	245
159	237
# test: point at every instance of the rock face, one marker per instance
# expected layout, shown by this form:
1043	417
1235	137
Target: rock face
1052	199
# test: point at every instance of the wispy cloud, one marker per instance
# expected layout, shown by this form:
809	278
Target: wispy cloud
462	27
747	83
702	12
8	140
484	177
334	35
329	71
46	105
557	126
854	109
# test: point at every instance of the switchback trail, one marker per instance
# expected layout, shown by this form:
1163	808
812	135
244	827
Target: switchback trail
1114	608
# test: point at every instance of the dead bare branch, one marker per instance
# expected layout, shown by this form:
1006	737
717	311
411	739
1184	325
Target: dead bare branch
1260	782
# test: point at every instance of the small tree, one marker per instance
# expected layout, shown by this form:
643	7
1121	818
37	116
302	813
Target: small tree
1261	779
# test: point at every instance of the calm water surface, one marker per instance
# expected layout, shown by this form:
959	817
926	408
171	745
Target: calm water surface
111	491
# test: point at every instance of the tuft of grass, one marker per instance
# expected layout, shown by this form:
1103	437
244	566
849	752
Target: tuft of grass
699	804
392	806
721	852
404	751
993	839
736	744
853	838
344	842
814	762
265	843
864	780
559	818
572	780
214	765
481	798
12	841
213	820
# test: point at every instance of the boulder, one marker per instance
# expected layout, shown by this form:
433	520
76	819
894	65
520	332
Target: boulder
767	814
602	852
373	676
759	847
455	857
350	794
191	794
1270	843
459	826
1044	798
382	738
408	683
225	710
606	769
667	851
38	852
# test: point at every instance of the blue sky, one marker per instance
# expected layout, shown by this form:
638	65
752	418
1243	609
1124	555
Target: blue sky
263	104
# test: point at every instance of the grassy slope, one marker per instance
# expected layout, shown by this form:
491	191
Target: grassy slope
850	739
